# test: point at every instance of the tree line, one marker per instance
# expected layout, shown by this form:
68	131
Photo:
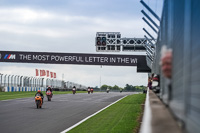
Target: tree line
126	88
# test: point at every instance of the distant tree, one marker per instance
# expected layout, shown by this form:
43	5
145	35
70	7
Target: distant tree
110	87
104	87
115	87
128	87
133	88
139	88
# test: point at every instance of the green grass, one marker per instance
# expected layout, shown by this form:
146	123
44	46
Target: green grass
122	117
14	95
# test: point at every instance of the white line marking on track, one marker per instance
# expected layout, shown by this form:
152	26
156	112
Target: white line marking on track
90	116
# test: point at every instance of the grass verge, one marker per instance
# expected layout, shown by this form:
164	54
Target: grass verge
15	95
122	117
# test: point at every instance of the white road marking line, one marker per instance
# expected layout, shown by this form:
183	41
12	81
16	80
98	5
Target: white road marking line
90	116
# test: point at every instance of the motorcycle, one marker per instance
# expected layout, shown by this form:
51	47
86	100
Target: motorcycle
74	91
49	95
107	90
88	91
91	90
38	101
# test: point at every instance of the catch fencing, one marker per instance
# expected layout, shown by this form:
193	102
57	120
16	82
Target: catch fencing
180	31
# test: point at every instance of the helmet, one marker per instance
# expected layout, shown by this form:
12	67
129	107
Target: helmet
38	91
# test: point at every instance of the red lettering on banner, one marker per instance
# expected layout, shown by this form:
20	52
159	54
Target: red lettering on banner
36	72
40	72
47	73
44	73
51	74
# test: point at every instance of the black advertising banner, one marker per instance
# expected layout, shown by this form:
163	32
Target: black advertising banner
71	58
142	66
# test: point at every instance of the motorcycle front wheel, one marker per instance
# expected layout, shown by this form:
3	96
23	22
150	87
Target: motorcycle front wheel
37	104
48	97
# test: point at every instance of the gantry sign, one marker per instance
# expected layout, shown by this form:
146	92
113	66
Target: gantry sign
112	42
74	58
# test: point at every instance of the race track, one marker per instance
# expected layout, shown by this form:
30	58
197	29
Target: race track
22	116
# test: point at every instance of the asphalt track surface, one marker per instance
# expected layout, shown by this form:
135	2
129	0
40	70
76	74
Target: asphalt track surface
22	116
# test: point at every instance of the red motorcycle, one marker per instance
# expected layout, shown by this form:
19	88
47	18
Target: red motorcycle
49	95
91	90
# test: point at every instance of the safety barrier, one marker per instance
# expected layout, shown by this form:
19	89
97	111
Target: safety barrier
179	32
22	89
17	83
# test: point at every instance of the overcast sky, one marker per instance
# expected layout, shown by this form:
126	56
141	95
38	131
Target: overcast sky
70	26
